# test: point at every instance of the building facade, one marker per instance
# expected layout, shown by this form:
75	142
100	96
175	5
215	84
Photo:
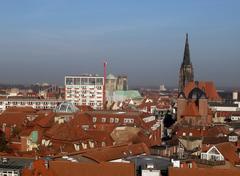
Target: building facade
186	71
34	103
85	90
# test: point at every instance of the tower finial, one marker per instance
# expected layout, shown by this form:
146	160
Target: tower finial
186	37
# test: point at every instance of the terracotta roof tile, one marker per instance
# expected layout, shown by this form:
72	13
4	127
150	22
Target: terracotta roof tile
207	86
228	150
203	172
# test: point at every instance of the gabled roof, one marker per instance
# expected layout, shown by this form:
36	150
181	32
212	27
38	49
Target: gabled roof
206	86
117	152
228	150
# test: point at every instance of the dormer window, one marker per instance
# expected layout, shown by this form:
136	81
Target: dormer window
104	120
94	119
111	120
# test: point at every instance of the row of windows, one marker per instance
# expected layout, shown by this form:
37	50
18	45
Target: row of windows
40	107
113	120
29	103
85	87
84	81
83	91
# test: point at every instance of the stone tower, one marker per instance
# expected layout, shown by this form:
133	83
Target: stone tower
186	70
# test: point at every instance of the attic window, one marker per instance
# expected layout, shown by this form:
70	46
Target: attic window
111	120
116	120
104	120
94	119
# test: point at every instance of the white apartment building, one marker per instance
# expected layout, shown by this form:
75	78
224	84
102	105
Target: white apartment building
85	90
34	103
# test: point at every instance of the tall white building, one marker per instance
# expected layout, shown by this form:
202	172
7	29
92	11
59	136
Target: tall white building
85	90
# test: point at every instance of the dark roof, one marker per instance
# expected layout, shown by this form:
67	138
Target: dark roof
196	93
160	163
224	104
186	57
15	162
214	140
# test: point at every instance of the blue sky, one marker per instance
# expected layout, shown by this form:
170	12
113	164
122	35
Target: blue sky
41	41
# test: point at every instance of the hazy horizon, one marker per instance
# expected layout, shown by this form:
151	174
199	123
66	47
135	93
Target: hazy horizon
42	41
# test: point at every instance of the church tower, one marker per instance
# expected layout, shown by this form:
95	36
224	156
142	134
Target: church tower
186	70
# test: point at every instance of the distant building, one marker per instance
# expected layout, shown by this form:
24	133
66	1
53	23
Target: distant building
186	71
85	90
122	82
29	102
162	87
120	96
115	83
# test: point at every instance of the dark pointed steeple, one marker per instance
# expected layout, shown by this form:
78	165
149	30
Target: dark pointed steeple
186	70
186	56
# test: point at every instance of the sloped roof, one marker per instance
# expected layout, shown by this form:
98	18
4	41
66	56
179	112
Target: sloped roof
26	109
206	86
214	140
70	131
228	150
127	93
203	172
116	152
218	130
66	168
13	118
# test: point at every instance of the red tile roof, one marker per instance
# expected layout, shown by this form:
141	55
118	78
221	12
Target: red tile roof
116	152
207	86
228	150
202	172
13	118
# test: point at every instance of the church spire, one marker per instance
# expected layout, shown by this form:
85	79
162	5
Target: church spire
186	71
186	56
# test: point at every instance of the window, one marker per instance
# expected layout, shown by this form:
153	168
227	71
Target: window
116	120
99	81
189	165
69	81
94	119
104	120
184	134
128	120
111	120
76	81
92	81
99	87
84	81
190	134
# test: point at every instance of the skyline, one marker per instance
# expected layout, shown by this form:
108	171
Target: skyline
44	41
